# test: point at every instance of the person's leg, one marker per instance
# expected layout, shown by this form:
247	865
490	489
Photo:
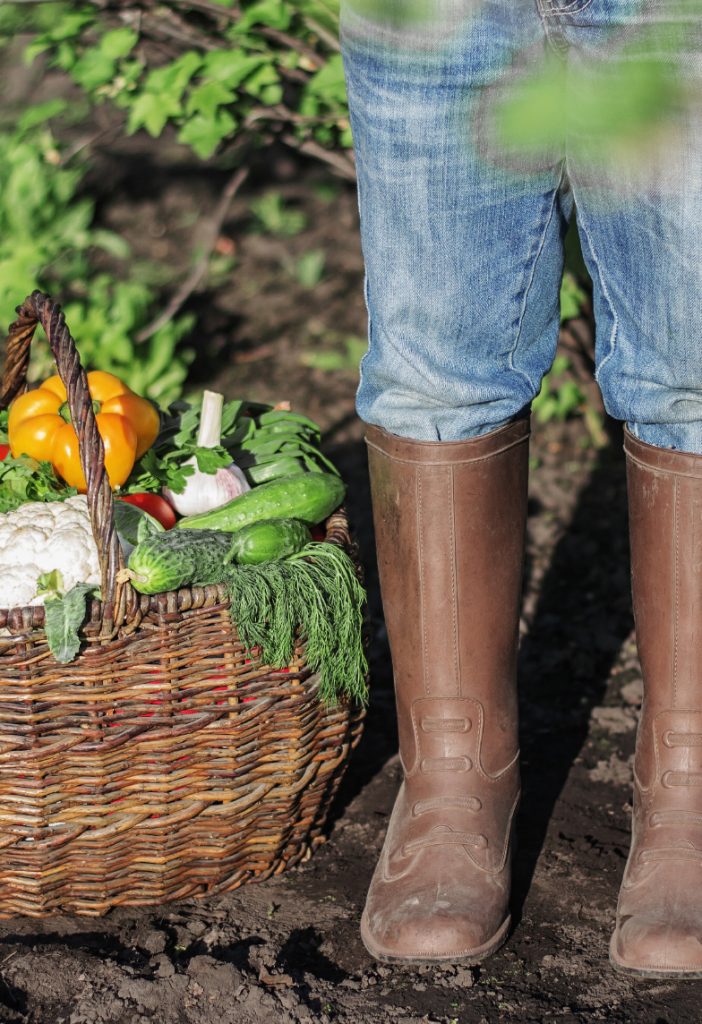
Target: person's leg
641	228
463	258
463	267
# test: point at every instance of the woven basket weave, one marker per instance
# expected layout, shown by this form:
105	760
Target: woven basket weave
163	762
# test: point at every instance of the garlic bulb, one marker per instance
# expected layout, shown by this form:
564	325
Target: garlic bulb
205	491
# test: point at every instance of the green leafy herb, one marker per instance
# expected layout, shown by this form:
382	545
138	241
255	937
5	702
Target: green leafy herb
318	590
3	426
50	583
64	615
133	525
24	479
165	463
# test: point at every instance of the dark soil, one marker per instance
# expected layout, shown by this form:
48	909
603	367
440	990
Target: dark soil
289	950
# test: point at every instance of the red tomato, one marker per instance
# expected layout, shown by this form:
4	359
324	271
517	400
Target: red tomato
155	505
4	451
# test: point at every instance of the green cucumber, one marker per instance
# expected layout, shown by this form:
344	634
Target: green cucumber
170	560
267	540
310	497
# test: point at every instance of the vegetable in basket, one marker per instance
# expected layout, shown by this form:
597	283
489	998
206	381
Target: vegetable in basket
24	479
204	488
43	537
280	443
267	540
315	590
310	497
48	553
169	561
154	505
39	426
265	443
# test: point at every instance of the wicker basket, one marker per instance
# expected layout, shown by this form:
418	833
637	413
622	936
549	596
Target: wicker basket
162	763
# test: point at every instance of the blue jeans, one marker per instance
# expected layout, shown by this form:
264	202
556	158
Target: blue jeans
463	240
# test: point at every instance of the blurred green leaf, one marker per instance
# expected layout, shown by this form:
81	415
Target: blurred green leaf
40	113
275	217
118	43
272	13
572	297
346	357
204	133
308	270
559	397
205	99
607	109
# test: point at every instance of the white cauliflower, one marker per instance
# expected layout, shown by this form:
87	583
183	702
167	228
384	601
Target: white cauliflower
39	537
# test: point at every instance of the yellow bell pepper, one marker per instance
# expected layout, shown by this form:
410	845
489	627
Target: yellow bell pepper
39	426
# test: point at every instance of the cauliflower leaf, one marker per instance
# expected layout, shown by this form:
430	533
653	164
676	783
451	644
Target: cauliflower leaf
64	615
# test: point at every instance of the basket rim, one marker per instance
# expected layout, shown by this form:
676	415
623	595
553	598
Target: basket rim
24	618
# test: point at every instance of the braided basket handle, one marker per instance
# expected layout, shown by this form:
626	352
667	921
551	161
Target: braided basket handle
39	308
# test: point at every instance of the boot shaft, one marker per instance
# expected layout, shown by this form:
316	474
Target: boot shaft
665	524
449	523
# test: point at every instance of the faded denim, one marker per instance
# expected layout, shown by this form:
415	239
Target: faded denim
463	245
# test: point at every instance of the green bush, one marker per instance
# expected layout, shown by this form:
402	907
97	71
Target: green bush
47	238
223	75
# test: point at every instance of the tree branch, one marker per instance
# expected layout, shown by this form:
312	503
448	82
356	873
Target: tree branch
198	272
341	162
326	37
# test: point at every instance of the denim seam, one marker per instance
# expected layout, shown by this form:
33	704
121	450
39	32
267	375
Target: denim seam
527	292
550	8
366	295
615	325
554	36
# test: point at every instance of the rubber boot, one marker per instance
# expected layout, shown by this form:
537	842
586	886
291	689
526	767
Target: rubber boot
658	931
449	524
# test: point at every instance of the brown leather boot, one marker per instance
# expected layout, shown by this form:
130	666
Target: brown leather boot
659	917
449	523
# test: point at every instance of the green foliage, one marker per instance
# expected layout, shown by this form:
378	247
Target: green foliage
24	479
318	590
225	74
344	356
560	397
614	111
64	615
230	73
572	297
308	269
47	241
397	12
105	324
274	217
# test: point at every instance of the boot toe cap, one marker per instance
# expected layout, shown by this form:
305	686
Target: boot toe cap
411	931
646	944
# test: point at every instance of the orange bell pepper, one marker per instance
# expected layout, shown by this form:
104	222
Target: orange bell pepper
39	425
119	439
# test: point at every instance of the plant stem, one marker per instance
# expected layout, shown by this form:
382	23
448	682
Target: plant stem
210	432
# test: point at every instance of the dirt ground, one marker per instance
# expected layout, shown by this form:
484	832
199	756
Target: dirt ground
288	950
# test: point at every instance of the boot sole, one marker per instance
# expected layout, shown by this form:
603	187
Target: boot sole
470	958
